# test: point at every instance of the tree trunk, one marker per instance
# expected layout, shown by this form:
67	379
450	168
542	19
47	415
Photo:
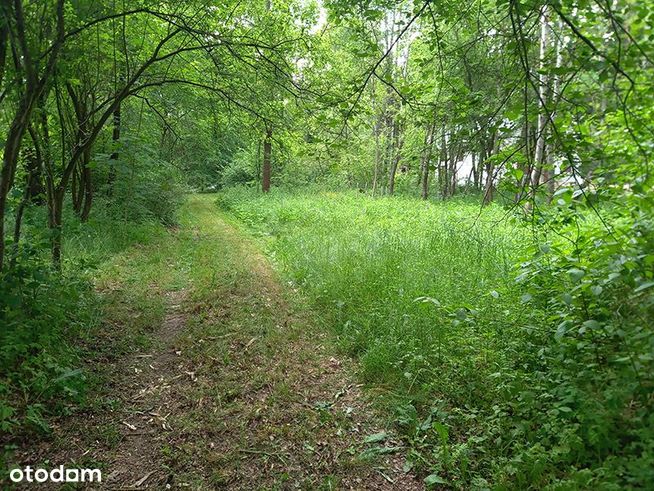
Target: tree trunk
4	42
473	172
524	181
9	161
113	159
267	152
481	161
34	87
55	225
489	186
426	160
395	157
81	174
32	175
539	152
452	175
88	186
76	190
375	176
549	174
55	194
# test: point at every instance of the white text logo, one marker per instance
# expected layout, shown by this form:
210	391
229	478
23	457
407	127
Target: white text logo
58	474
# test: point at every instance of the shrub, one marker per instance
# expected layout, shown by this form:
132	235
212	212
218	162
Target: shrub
42	314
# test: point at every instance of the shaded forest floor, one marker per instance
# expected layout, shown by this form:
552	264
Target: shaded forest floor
228	384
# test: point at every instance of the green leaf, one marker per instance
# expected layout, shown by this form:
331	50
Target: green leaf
68	374
433	479
428	300
576	274
376	437
443	433
644	286
561	330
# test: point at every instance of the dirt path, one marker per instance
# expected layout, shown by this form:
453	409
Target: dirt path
240	389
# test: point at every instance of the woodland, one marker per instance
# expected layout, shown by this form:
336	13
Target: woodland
234	207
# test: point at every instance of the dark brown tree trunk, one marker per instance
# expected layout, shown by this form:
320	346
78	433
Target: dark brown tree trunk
42	142
76	189
34	87
18	223
267	152
55	192
36	189
55	225
4	41
9	161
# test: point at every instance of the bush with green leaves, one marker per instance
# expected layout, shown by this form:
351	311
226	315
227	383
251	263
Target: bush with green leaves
586	367
145	187
50	319
43	314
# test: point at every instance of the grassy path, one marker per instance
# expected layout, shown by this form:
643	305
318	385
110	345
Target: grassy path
227	384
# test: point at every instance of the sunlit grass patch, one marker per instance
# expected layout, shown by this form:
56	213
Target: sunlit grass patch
415	289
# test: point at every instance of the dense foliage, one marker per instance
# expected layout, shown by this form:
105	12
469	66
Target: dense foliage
476	222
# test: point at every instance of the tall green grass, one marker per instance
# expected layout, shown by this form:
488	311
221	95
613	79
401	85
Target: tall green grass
502	358
369	263
422	293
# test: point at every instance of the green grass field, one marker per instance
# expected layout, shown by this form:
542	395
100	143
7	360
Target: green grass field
415	289
452	315
504	362
420	293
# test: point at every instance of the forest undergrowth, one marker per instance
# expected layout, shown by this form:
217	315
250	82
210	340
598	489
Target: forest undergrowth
509	358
